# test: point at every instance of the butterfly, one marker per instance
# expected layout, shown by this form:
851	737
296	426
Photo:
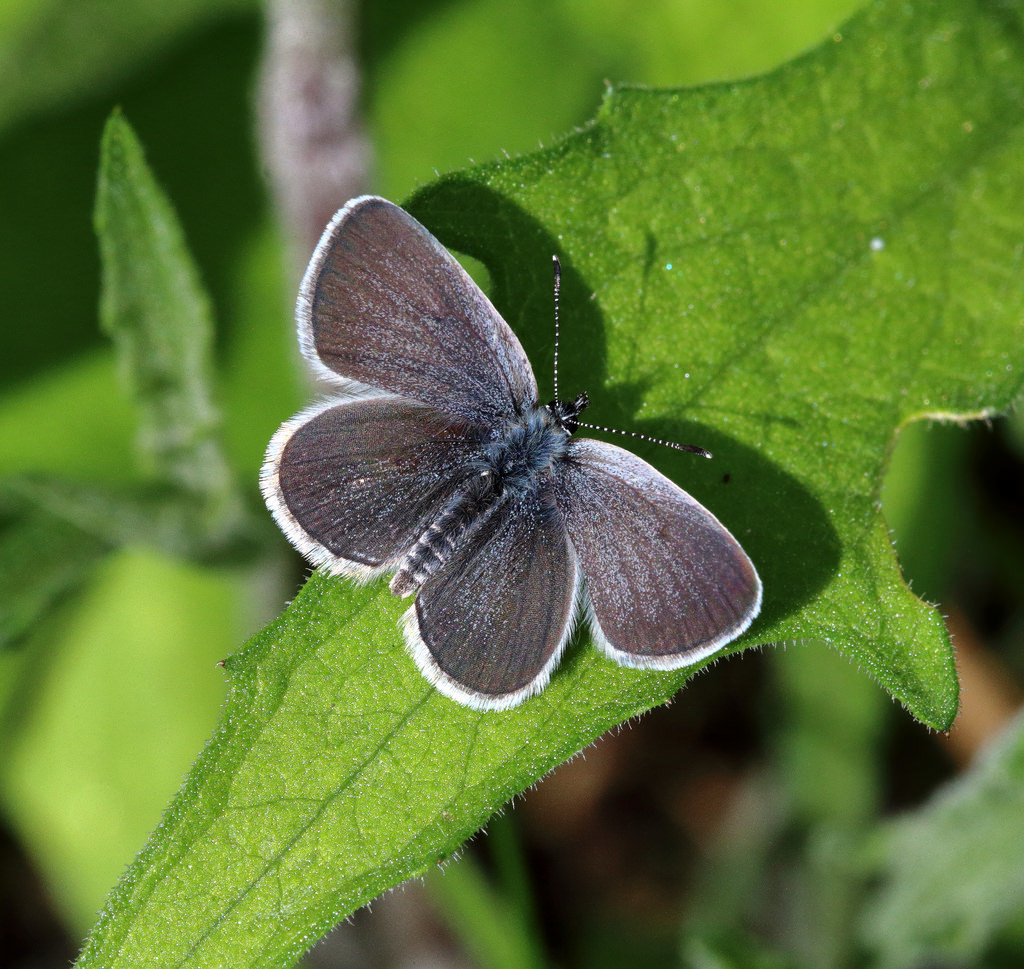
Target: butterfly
435	462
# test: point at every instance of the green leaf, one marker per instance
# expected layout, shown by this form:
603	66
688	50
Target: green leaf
41	561
798	265
156	311
953	872
158	315
153	516
417	122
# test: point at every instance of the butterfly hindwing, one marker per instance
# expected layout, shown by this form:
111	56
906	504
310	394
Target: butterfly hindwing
354	483
490	626
667	584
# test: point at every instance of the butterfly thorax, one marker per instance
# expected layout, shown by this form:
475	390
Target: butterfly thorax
515	463
521	454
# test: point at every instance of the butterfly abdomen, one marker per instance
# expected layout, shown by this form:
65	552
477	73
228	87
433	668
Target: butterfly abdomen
436	544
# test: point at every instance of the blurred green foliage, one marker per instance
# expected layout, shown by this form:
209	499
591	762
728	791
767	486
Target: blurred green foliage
106	702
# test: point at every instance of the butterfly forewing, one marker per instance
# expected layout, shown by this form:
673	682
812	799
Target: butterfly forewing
384	304
354	484
490	626
668	585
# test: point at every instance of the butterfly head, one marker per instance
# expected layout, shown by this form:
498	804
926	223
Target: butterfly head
565	412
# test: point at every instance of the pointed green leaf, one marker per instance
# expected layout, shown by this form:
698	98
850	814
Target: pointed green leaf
785	271
156	311
158	315
155	516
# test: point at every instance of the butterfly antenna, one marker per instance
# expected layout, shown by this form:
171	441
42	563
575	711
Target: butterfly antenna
558	287
691	448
